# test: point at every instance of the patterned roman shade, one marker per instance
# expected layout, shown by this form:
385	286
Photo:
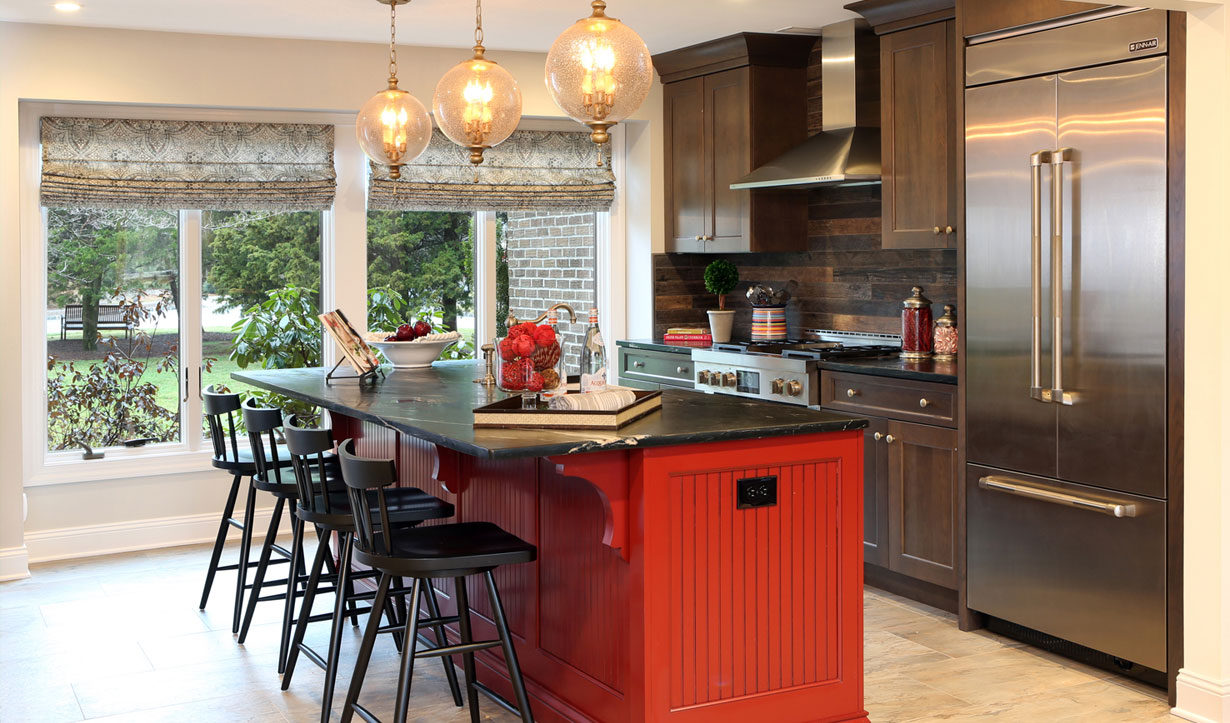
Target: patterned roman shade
532	170
175	164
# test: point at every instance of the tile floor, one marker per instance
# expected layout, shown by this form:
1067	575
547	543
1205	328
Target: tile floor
119	638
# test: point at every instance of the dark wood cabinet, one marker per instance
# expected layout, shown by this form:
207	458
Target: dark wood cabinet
911	526
875	493
730	106
988	16
919	137
922	502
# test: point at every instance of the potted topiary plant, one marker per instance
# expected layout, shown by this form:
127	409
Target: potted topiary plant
721	276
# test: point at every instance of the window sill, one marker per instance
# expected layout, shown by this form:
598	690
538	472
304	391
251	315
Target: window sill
126	464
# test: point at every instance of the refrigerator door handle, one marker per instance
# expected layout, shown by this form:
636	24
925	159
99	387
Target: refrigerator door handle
1036	160
1008	486
1056	392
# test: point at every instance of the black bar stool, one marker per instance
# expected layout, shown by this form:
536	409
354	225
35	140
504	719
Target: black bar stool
272	475
324	503
453	550
220	408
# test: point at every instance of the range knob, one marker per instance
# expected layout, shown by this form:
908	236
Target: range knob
702	377
778	385
794	387
729	379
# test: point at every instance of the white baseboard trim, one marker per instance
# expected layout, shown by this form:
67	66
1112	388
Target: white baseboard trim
14	563
1201	699
107	539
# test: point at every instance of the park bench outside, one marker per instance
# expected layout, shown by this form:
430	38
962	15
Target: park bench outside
110	316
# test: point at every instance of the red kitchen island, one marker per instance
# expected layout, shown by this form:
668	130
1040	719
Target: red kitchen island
701	564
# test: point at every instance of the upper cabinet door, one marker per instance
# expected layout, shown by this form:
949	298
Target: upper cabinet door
918	137
688	201
729	133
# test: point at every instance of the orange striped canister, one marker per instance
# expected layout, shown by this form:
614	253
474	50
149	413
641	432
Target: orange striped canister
768	323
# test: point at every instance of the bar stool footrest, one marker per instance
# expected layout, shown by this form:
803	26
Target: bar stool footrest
497	699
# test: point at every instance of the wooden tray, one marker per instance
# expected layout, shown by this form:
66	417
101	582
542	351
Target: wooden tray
508	414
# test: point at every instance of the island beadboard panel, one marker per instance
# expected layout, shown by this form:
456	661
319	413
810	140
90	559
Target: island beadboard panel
845	280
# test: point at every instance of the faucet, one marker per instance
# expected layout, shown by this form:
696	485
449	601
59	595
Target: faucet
572	315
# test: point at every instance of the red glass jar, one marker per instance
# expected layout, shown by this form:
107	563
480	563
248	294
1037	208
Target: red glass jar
916	326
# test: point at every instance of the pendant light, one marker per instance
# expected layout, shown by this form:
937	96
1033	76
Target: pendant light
393	126
477	104
599	72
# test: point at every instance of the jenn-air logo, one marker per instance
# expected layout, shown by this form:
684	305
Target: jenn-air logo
1140	45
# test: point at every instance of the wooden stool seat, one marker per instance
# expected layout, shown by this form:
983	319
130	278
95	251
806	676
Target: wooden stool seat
464	548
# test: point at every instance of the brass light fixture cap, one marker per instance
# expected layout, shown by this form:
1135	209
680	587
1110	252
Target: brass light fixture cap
393	2
599	131
598	5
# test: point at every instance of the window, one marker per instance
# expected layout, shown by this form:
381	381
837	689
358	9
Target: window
549	257
250	259
422	263
113	331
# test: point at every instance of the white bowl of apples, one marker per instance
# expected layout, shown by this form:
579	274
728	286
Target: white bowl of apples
412	346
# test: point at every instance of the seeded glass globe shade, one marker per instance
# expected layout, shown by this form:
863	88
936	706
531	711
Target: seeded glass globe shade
393	128
599	72
477	104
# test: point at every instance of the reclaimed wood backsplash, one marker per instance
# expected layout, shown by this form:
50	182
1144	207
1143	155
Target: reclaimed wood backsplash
843	281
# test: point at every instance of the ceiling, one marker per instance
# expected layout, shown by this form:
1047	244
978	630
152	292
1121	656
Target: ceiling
510	24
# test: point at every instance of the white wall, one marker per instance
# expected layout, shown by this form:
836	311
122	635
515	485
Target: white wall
1204	682
64	63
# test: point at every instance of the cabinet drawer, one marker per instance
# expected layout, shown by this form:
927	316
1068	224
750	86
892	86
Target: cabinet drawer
656	366
904	399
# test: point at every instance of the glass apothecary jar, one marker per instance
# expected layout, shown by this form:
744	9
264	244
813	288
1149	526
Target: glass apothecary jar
945	346
916	326
530	359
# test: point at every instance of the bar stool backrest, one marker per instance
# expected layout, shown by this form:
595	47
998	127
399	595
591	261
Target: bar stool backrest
307	447
362	475
262	424
220	408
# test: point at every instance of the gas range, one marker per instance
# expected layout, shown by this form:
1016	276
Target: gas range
783	371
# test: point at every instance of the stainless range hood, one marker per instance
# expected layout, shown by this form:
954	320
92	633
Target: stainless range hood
847	151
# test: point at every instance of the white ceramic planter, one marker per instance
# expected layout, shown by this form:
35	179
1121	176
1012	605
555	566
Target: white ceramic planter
720	323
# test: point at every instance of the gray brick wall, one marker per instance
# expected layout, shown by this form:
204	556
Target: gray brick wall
552	257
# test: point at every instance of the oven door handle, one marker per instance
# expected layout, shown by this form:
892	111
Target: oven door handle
1006	485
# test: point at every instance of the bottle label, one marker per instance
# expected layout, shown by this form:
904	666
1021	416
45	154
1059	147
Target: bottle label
595	382
597	340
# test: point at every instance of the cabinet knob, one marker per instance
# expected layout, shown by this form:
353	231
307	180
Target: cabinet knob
851	393
948	229
681	370
923	403
889	439
708	238
936	230
638	364
878	436
700	238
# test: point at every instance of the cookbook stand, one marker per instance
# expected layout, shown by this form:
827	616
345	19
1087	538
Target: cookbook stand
367	376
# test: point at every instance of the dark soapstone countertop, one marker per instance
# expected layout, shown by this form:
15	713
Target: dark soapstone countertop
926	370
437	404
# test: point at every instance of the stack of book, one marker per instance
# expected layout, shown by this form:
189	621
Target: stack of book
687	336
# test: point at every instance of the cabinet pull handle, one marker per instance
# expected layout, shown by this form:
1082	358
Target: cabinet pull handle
889	439
923	403
1004	484
936	230
638	364
851	393
878	436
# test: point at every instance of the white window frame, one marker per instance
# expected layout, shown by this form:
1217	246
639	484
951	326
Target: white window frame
192	453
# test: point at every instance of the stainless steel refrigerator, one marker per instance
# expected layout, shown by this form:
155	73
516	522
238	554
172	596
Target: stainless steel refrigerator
1065	323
